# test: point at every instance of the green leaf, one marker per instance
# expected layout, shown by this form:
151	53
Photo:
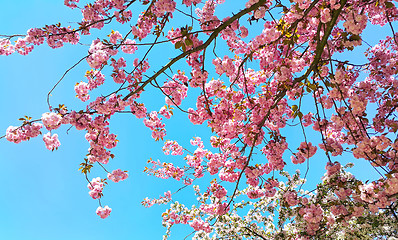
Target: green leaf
389	5
313	87
355	38
178	45
300	115
188	42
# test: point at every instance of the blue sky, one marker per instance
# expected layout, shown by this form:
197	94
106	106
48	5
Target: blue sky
43	196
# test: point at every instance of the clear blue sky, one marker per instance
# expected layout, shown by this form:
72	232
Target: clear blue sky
43	196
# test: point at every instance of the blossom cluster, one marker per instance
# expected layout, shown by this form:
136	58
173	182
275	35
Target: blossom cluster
287	79
117	175
24	133
96	186
52	142
104	212
173	148
155	124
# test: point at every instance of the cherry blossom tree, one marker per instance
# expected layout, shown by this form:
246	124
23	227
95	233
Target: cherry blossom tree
282	69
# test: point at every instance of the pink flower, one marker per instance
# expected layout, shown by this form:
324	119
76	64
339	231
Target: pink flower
96	186
155	124
81	90
313	214
355	22
243	32
129	46
306	150
259	13
307	120
291	198
24	133
199	224
167	113
52	142
325	15
71	3
99	54
6	48
114	36
51	120
197	141
138	109
104	212
163	6
255	193
117	175
218	190
172	146
358	211
332	168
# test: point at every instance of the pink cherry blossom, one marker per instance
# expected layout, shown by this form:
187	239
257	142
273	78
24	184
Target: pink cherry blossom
117	175
104	212
286	90
52	142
